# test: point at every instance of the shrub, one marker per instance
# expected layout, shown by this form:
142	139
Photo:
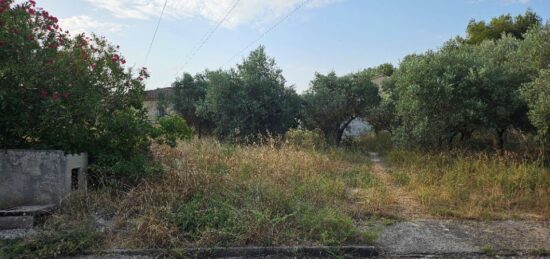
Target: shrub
172	128
68	93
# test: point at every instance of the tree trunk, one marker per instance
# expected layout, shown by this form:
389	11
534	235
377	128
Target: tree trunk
341	131
500	140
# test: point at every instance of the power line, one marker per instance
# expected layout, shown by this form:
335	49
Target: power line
267	31
155	33
209	34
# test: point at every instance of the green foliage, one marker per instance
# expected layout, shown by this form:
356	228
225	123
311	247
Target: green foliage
49	244
478	32
250	100
53	88
68	93
383	116
434	93
208	214
535	48
172	128
333	102
162	104
460	89
189	94
537	95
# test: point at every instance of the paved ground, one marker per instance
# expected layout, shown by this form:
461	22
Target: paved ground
429	236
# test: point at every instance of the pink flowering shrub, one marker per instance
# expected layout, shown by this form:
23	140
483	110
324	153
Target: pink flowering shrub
73	93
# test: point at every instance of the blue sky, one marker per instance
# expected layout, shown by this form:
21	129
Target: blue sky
323	35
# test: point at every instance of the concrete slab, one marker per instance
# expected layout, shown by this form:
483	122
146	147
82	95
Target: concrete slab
35	210
17	222
10	234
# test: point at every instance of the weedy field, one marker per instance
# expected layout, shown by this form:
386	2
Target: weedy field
474	186
215	194
289	192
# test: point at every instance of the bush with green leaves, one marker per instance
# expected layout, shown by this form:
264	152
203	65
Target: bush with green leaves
68	93
172	128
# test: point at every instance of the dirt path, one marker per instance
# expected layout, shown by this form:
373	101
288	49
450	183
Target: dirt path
404	204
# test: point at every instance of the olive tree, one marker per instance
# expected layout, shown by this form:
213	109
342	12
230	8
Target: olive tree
189	94
251	99
333	102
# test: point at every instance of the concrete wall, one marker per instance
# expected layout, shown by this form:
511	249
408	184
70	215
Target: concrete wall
38	177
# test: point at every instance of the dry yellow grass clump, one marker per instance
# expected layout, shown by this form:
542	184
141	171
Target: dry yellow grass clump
477	186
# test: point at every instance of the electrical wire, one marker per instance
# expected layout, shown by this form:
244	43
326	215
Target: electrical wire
155	33
208	35
266	32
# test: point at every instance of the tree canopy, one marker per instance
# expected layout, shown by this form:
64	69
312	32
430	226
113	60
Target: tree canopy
332	102
251	99
189	94
477	32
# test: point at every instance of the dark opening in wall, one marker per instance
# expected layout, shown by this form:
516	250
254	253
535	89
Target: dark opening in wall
74	178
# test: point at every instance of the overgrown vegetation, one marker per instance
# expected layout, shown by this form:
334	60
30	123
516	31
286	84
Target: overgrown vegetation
476	186
74	94
215	194
270	167
471	87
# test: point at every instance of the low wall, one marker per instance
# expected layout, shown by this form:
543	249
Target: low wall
39	177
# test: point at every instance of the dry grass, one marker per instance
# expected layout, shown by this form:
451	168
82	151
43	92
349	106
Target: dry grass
218	194
215	194
476	186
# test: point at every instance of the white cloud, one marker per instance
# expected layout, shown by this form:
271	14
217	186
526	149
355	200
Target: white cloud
246	12
84	23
